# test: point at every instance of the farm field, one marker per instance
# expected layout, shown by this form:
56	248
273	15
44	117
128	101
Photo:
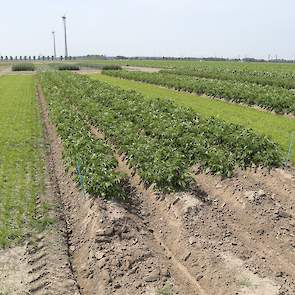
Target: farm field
132	188
279	128
99	106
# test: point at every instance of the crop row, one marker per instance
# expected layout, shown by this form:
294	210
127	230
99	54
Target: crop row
90	160
23	67
161	140
275	99
271	78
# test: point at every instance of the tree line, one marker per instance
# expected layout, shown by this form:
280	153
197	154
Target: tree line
33	58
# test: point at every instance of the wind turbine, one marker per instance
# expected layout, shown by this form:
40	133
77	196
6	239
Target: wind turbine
54	48
64	18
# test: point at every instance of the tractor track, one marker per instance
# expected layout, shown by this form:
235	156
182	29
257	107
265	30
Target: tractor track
48	253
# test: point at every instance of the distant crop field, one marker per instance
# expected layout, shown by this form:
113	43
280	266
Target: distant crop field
190	64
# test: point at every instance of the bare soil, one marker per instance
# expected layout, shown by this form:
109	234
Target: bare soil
223	236
4	70
142	69
88	71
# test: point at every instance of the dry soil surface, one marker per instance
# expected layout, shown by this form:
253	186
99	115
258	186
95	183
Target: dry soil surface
142	69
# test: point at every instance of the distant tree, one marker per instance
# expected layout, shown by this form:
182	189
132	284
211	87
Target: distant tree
121	57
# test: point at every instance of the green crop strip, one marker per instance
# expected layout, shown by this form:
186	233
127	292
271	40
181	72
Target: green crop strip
279	128
21	158
23	67
162	141
90	160
268	76
275	99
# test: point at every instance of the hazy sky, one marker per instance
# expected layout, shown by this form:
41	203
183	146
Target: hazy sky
228	28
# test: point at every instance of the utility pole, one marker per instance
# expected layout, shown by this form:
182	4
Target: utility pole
54	48
65	28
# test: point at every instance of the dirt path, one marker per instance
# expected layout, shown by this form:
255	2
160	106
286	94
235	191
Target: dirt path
88	71
256	223
4	70
141	69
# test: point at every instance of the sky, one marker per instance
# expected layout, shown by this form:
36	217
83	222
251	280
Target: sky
223	28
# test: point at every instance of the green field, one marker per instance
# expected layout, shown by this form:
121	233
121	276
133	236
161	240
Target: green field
278	127
21	158
188	64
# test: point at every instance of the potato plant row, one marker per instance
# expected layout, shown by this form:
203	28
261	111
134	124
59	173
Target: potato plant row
91	161
275	99
161	140
271	78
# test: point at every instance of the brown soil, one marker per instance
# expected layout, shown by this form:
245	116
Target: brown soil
142	69
88	71
4	70
13	271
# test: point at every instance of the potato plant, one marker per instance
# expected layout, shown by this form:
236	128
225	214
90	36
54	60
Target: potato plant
95	159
